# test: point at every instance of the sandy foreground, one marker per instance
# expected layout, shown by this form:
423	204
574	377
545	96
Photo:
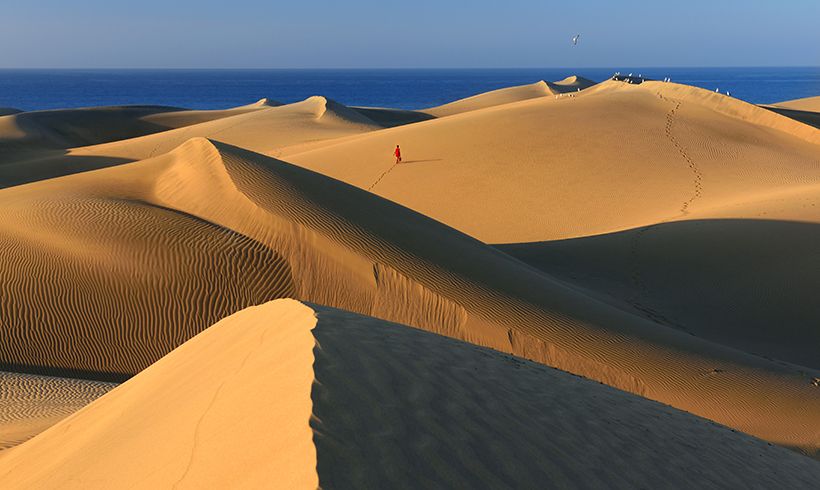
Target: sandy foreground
285	396
657	239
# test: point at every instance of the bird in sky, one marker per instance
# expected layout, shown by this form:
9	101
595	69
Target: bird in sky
575	39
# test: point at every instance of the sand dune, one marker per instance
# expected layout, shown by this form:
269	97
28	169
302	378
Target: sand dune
654	237
5	111
544	173
638	154
263	127
68	128
810	104
758	295
238	228
30	404
511	94
270	398
228	409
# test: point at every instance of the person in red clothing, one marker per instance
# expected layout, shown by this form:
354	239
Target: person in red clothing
398	154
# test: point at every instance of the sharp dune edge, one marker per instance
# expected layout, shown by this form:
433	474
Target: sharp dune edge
269	397
658	238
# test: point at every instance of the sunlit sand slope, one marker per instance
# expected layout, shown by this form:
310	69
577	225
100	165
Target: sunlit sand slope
236	228
614	157
270	398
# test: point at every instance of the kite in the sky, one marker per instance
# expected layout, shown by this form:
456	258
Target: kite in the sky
575	39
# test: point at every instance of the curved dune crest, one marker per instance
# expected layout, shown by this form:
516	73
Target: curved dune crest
301	234
230	408
285	396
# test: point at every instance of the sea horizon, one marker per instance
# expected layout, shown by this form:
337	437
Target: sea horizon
31	89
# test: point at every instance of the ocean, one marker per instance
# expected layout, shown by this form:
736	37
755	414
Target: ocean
399	88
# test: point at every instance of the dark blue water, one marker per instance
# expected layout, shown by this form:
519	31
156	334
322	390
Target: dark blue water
408	89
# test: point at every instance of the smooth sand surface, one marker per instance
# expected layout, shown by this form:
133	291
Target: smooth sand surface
238	228
30	404
270	397
811	104
616	156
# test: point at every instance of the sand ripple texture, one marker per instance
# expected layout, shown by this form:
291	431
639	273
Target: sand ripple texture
30	404
102	287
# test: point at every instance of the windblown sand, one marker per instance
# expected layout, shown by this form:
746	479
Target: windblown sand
653	237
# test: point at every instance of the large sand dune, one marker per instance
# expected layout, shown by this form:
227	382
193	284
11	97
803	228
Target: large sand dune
616	156
658	238
237	228
546	177
270	398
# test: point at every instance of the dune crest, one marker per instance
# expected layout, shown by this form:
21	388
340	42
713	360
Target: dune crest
229	408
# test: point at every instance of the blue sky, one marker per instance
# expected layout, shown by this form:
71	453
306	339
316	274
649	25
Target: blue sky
408	33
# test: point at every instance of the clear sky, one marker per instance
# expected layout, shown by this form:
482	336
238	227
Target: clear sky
406	33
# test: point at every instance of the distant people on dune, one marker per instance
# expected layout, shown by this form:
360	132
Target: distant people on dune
398	154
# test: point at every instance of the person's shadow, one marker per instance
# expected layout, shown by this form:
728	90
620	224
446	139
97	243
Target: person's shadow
420	161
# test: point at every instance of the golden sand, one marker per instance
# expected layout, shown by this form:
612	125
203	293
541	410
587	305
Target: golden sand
657	238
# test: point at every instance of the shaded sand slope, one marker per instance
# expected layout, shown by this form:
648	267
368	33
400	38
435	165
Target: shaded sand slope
747	283
269	397
5	111
805	117
301	234
261	127
30	404
392	117
230	408
615	157
510	94
452	415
